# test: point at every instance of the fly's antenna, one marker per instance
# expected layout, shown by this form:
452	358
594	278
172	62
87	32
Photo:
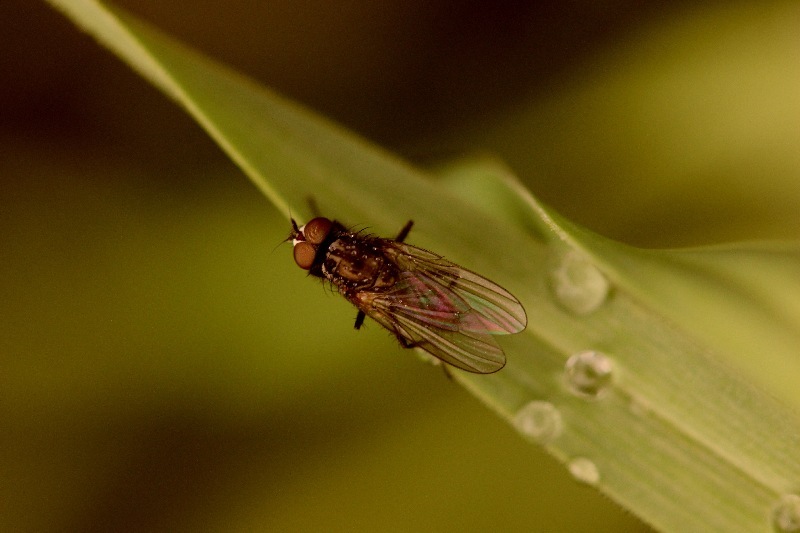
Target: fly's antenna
295	231
282	241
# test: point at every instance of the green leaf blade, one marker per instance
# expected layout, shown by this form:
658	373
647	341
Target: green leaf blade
685	436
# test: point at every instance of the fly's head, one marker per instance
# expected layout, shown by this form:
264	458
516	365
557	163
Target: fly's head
307	240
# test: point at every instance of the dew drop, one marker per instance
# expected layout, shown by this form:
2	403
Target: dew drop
539	421
588	373
786	514
584	470
577	283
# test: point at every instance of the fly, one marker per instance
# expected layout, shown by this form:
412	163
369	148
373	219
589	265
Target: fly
426	301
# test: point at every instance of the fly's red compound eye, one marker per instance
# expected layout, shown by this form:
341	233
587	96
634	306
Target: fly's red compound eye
304	254
316	230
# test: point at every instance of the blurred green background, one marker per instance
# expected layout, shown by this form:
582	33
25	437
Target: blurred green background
165	367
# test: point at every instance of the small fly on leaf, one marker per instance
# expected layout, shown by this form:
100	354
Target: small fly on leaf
426	301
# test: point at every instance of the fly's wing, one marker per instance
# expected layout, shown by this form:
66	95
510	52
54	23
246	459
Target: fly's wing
494	310
446	310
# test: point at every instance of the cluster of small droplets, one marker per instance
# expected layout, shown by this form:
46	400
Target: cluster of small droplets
581	288
539	421
588	373
577	283
786	514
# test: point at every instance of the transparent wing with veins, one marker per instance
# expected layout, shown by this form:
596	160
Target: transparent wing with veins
444	309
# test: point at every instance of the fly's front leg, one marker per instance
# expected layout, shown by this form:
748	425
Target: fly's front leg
404	232
312	205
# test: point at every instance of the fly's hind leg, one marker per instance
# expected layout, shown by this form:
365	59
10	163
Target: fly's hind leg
405	343
404	232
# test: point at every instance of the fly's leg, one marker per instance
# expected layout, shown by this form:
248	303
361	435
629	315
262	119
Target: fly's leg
359	319
405	342
404	232
312	205
445	367
447	372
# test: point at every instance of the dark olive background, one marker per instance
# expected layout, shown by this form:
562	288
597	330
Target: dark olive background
164	367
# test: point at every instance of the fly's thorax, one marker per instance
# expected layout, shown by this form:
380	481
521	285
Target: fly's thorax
355	263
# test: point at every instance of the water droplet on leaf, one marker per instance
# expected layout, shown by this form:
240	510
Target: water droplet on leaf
584	470
786	514
577	283
539	421
588	373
